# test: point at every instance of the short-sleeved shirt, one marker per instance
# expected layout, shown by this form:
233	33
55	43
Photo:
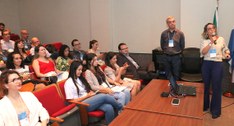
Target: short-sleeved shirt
71	90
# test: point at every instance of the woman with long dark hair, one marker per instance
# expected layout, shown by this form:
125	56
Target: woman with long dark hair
15	62
64	60
77	88
114	72
98	80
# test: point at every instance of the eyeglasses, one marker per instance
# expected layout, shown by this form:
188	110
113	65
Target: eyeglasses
76	44
210	28
16	79
124	48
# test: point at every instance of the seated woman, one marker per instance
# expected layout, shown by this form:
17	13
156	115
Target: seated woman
44	67
94	48
19	108
98	81
64	60
77	88
113	71
52	50
14	62
19	47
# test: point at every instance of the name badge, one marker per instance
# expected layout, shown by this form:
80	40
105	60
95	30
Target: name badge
212	52
171	43
23	119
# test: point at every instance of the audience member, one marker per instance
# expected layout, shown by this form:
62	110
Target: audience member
20	48
94	48
214	50
172	43
125	59
14	62
114	72
35	42
25	38
77	53
3	59
7	44
77	88
64	60
19	108
44	67
2	28
52	50
98	81
13	36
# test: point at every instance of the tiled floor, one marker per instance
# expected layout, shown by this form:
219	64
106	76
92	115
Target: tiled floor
227	117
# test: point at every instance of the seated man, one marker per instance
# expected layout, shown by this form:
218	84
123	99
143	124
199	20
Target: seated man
7	44
124	57
35	42
134	67
25	37
77	53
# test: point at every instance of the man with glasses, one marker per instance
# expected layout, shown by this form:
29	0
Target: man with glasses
172	43
7	44
77	53
125	59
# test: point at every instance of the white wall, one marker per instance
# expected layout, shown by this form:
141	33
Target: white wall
139	23
57	20
196	13
9	14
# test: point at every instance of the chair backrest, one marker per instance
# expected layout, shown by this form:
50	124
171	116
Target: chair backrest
191	61
60	85
52	100
31	70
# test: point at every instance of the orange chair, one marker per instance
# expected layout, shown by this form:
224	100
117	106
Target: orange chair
86	117
54	103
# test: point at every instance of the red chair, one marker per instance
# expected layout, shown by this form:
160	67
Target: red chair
57	45
54	103
86	117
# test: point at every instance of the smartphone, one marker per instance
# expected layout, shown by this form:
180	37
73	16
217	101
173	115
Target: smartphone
175	101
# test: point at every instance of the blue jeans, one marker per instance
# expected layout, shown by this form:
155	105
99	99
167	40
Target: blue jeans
105	103
127	95
172	65
123	97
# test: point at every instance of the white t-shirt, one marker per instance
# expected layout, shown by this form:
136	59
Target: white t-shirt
71	90
23	70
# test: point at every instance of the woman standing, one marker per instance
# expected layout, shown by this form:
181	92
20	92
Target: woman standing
19	108
77	88
214	50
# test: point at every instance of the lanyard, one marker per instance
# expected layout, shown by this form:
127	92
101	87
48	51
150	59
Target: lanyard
168	34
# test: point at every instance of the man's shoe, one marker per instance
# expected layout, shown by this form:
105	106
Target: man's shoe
215	116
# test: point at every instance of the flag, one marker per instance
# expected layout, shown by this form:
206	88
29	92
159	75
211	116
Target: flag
216	18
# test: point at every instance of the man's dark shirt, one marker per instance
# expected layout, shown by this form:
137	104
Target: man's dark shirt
78	55
179	42
121	60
